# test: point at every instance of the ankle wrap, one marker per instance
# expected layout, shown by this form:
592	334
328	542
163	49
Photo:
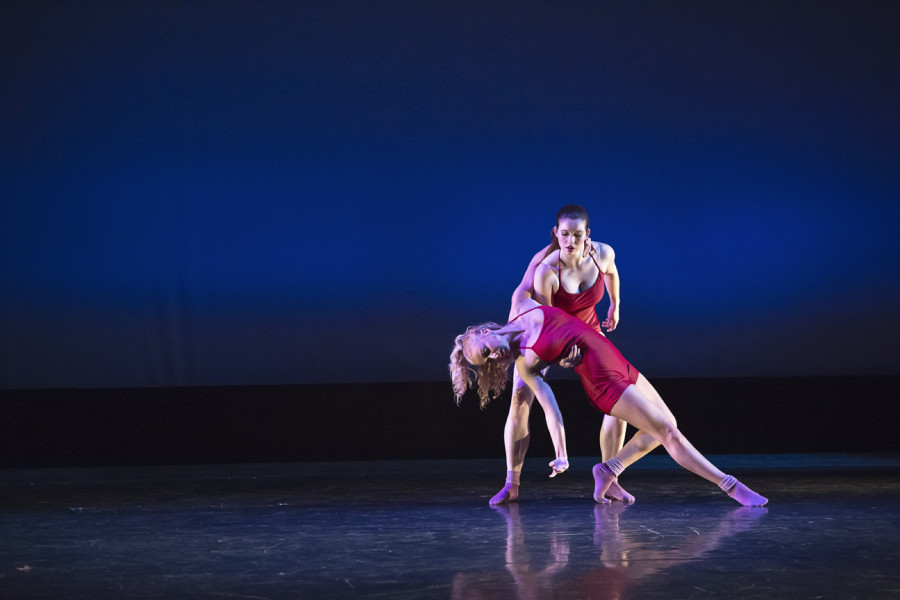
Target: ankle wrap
726	484
615	465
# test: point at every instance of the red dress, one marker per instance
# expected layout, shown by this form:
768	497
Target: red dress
603	370
581	304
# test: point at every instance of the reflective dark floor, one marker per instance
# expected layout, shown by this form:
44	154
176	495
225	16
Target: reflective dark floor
423	529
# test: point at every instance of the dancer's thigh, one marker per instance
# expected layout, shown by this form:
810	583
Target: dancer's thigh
647	389
638	410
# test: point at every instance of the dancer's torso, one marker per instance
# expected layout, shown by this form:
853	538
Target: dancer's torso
557	334
580	304
604	372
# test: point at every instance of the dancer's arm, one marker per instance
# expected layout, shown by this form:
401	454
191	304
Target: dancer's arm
531	375
607	260
546	281
526	286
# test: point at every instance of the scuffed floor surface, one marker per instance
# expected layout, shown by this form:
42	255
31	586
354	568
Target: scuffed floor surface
423	529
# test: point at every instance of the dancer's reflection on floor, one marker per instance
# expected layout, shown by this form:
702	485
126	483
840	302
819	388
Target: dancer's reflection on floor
628	556
628	551
532	574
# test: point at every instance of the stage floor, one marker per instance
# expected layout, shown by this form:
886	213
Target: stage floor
423	529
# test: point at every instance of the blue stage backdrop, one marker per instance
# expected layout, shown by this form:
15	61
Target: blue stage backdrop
244	193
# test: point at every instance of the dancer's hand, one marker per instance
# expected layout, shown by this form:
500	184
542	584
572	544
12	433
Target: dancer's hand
559	465
588	247
573	359
612	319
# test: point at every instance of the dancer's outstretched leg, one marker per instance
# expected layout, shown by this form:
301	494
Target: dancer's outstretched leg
646	414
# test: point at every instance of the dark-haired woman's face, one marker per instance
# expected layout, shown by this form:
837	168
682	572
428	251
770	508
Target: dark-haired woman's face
571	233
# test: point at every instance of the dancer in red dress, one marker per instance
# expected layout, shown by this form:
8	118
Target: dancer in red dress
541	335
572	274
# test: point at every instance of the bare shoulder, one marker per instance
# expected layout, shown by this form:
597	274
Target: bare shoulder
551	260
604	251
539	256
528	362
548	267
604	256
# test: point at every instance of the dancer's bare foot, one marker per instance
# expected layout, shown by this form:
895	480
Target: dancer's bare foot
603	479
617	492
509	493
746	496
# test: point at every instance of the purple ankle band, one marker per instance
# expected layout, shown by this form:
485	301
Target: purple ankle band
614	465
513	477
726	484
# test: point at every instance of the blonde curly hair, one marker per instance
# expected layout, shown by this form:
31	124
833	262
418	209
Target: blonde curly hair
491	376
